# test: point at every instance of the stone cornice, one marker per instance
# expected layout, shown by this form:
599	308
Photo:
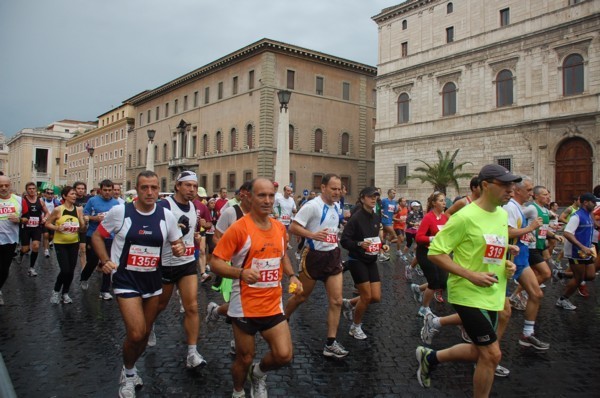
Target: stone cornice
253	49
394	11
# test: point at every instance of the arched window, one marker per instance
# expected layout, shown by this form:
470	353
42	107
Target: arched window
504	88
403	108
233	139
291	138
219	142
404	24
449	8
573	75
250	136
205	143
318	140
345	143
449	99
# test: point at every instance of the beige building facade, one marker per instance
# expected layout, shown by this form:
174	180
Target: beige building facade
220	120
512	82
3	154
107	143
40	154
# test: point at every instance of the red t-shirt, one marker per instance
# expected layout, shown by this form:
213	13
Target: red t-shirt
430	226
219	203
402	212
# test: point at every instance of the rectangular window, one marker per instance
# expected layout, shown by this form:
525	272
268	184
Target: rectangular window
174	149
206	95
176	107
450	34
194	145
147	120
220	90
404	49
505	17
41	160
251	80
216	182
401	174
195	99
185	103
346	91
346	183
167	109
231	181
204	180
317	178
505	162
157	113
291	77
319	84
247	176
141	119
234	86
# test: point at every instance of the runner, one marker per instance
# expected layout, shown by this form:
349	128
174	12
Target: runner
10	213
413	220
256	246
51	202
117	193
363	237
80	190
141	232
318	222
33	217
205	223
478	238
285	207
95	210
475	193
182	271
221	201
389	206
400	226
67	222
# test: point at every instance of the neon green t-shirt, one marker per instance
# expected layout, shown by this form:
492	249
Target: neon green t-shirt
479	240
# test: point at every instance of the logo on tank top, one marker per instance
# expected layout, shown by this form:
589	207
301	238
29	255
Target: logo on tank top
144	232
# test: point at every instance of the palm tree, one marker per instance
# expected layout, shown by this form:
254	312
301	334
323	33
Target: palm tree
442	174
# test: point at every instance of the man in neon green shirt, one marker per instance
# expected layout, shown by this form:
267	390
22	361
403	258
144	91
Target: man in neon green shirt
478	237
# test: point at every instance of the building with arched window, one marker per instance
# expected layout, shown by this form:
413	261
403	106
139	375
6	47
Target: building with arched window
518	85
234	115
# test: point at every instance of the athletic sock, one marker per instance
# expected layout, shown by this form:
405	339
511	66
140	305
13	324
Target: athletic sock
191	349
130	372
32	259
432	358
330	340
528	328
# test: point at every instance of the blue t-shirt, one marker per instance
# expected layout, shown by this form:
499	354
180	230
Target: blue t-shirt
388	209
95	206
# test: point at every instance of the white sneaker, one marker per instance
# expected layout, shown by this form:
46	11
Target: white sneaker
357	332
416	292
1	299
348	310
152	338
211	312
55	298
32	272
232	347
127	388
258	385
105	296
66	299
194	360
46	253
566	304
84	285
137	380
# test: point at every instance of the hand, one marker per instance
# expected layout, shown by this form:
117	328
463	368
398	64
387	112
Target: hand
511	268
178	249
514	250
250	276
294	279
483	279
535	224
385	248
364	244
559	238
586	252
321	236
13	218
108	267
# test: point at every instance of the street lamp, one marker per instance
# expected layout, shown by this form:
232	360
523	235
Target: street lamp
150	151
90	179
282	157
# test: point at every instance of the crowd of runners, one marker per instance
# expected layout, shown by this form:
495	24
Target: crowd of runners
486	253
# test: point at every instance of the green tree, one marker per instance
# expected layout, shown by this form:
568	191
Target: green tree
442	174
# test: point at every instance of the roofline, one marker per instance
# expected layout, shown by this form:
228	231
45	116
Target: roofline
257	47
394	11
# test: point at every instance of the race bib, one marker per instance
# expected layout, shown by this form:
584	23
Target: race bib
374	246
331	238
269	272
70	228
33	222
495	247
143	258
285	217
189	251
543	232
391	208
7	210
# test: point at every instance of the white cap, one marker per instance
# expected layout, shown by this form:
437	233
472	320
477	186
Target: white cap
415	204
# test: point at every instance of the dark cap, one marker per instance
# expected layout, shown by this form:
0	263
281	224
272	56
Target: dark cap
588	197
369	191
498	172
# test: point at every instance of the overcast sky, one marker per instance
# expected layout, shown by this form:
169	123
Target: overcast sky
76	59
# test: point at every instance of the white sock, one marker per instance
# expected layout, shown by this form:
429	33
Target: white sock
191	349
130	372
528	328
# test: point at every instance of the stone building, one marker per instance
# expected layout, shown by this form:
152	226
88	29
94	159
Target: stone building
3	154
513	82
221	119
108	143
39	154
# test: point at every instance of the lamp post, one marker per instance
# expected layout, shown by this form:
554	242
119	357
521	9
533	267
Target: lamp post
150	156
282	157
90	179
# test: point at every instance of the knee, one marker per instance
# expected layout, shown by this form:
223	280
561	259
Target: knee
537	294
366	297
191	309
375	298
505	314
590	277
245	358
283	357
138	336
335	301
493	355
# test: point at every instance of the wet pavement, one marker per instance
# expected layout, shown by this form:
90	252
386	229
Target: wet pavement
75	350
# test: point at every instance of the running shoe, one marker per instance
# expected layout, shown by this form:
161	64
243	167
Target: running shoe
258	385
335	350
84	285
32	272
543	286
582	290
205	277
383	257
501	371
232	347
418	270
357	332
105	296
194	360
464	335
211	312
127	388
347	309
408	273
423	311
47	253
66	299
437	295
137	380
297	255
428	331
423	371
416	292
534	342
151	338
516	303
1	299
565	303
55	298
